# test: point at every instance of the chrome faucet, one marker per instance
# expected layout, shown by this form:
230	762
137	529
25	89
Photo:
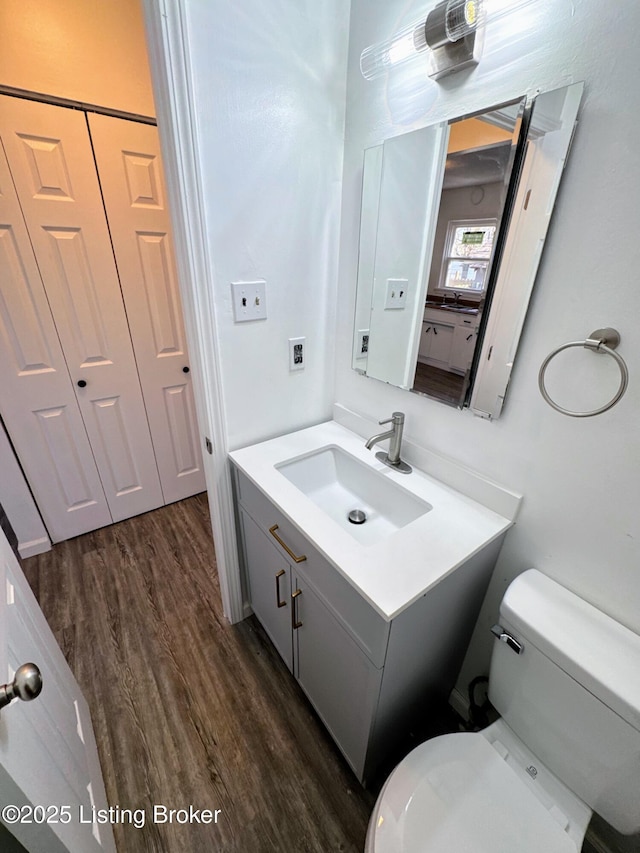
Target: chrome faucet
392	458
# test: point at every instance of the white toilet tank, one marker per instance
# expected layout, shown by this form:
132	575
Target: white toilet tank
573	694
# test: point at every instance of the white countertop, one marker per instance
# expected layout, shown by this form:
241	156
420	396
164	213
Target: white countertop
391	574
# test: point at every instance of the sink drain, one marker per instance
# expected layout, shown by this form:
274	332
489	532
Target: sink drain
357	516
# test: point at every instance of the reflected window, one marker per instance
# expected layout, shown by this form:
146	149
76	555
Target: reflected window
468	250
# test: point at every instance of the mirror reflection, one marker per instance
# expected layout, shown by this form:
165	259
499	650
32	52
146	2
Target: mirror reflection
453	223
479	165
433	205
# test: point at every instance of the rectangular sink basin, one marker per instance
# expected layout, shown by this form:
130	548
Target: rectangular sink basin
338	484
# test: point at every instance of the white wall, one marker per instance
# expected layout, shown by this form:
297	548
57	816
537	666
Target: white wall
269	84
580	478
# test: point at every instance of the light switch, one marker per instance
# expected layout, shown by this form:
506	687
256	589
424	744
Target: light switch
396	293
249	300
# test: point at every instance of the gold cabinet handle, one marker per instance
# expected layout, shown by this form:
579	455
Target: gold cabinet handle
294	610
272	531
278	576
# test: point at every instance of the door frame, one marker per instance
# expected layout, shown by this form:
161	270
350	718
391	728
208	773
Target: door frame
168	46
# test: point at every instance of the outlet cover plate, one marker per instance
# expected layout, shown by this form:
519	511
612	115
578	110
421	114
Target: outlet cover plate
362	345
249	300
297	353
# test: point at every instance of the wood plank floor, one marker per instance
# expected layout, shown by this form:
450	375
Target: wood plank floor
187	709
440	384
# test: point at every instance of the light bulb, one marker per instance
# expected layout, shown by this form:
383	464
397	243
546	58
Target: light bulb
378	58
454	19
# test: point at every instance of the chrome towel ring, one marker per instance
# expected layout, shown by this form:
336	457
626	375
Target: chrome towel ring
601	341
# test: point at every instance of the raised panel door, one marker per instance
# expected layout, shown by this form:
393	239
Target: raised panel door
131	176
51	162
37	401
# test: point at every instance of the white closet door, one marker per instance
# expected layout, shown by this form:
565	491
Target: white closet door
48	754
36	396
51	162
130	170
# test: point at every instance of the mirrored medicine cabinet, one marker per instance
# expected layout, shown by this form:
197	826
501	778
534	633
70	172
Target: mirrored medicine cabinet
453	220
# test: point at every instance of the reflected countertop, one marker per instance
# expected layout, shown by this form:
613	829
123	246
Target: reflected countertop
452	308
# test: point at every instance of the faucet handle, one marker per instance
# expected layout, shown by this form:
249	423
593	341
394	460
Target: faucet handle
396	418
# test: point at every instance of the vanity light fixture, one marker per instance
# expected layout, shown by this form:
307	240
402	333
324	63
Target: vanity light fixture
450	38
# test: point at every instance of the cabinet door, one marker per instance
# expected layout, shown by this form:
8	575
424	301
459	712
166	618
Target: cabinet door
464	338
441	342
130	172
425	340
337	677
269	587
51	162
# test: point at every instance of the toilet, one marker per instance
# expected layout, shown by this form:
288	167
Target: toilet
566	680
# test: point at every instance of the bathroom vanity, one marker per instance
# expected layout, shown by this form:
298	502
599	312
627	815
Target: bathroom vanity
373	620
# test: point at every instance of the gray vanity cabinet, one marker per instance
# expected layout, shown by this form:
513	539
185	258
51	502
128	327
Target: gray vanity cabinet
269	578
332	640
339	680
302	612
369	679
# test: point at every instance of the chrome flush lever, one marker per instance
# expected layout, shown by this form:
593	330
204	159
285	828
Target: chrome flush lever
505	637
26	685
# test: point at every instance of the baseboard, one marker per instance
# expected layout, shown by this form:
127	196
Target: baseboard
35	546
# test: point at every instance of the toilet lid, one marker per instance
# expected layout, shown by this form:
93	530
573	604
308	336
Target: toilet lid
455	793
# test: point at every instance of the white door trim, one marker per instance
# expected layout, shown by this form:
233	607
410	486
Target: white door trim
167	41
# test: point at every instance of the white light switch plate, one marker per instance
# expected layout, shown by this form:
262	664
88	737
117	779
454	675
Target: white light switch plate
396	293
249	300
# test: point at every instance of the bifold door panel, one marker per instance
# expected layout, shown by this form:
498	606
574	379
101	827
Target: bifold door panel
37	399
130	170
54	173
96	446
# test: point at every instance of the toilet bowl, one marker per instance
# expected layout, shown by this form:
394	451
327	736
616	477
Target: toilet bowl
564	679
470	793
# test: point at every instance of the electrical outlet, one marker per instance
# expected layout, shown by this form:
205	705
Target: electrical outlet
297	353
362	345
396	293
249	300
